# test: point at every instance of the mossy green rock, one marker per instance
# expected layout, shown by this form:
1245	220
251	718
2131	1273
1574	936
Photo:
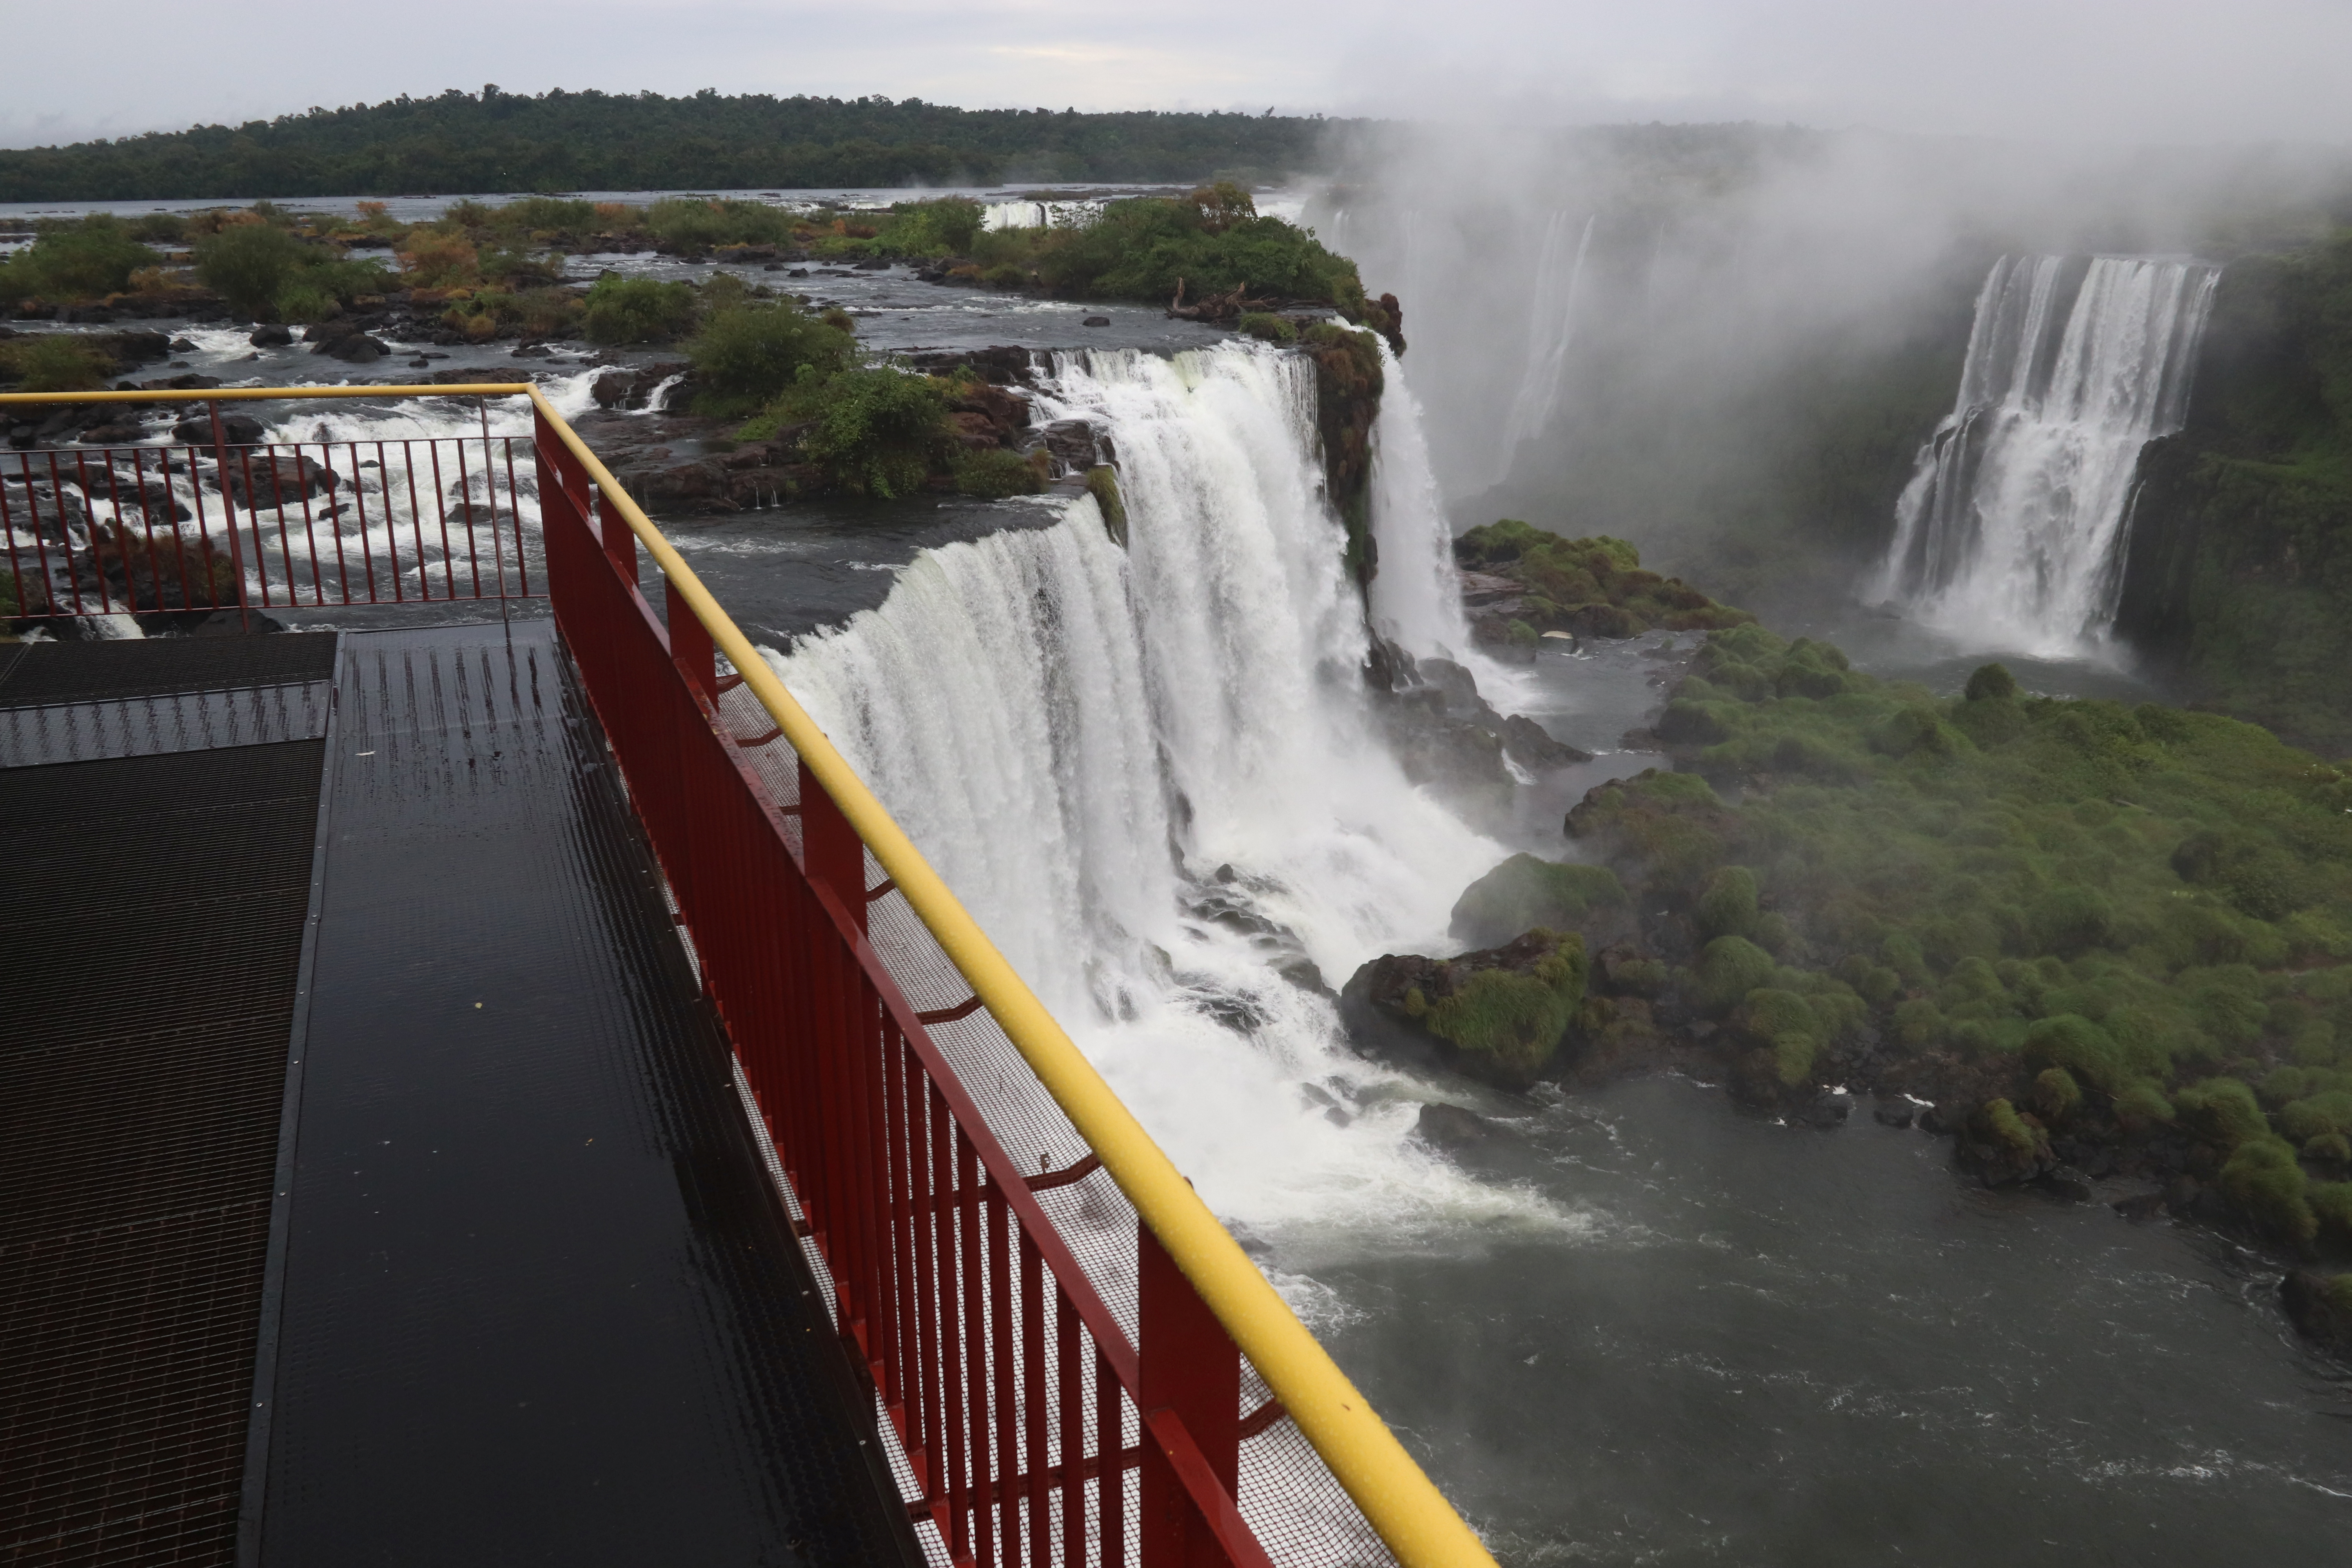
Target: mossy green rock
1525	892
1497	1014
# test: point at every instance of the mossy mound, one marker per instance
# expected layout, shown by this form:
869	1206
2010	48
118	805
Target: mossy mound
1497	1014
1589	587
1525	892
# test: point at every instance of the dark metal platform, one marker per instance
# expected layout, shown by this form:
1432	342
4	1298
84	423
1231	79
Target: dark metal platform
530	1295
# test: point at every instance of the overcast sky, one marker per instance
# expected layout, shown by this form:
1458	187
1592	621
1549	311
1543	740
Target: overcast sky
2106	71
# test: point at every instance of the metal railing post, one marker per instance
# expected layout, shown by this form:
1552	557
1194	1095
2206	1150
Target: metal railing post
1186	1367
228	514
831	851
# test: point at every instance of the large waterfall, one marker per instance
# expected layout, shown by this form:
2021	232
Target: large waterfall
1552	331
2011	529
1150	774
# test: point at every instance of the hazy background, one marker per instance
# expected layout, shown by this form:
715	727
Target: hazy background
2094	70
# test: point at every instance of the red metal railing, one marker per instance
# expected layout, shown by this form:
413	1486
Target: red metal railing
92	531
1036	1431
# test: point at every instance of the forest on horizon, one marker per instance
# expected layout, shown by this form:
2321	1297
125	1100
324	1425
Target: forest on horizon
461	142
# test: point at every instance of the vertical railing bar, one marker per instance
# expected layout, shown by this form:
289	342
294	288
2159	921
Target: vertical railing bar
969	1232
228	514
1034	1383
1070	1421
253	524
309	530
441	511
466	500
417	522
514	508
928	1294
121	533
1110	1474
1005	1409
358	505
65	530
8	533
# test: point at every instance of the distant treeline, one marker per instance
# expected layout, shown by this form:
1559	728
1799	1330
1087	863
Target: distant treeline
558	141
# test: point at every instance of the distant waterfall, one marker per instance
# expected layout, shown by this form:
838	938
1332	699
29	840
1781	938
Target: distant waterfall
2010	527
1140	767
1552	331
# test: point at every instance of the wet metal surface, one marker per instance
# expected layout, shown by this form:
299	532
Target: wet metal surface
538	1301
145	726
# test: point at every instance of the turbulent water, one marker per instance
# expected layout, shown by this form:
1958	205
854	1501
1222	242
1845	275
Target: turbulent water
2012	527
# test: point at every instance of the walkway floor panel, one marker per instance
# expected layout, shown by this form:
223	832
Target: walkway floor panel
539	1301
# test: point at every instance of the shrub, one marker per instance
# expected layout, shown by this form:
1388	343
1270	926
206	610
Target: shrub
246	264
1515	1018
1991	683
1266	328
2056	1095
2143	1104
2264	1179
637	310
744	358
53	361
942	226
2224	1110
1102	483
1006	276
2000	1125
994	473
2079	1045
874	432
1729	969
2317	1116
1727	906
432	259
87	262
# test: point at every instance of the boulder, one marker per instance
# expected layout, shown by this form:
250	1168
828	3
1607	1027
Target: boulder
1072	442
2320	1307
2068	1183
240	429
1525	892
270	336
356	349
1532	747
1105	321
1897	1113
1830	1108
1499	1015
270	481
1451	1127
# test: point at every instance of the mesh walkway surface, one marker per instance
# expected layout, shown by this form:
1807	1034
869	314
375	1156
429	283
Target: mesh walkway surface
147	961
540	1302
527	1294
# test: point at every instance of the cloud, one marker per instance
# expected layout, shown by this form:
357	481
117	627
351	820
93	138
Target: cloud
2083	70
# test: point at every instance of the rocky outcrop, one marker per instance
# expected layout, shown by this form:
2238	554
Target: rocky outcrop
1497	1015
2320	1307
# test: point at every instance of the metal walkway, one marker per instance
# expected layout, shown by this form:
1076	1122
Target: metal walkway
529	1294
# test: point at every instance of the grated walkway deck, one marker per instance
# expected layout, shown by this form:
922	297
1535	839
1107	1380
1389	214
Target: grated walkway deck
525	1293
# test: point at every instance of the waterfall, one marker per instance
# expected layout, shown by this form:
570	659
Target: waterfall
1551	331
1150	774
2010	527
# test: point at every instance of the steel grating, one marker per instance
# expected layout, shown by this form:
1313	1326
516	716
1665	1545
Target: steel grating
148	992
153	667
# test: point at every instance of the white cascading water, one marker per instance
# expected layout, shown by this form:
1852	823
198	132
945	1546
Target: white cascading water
1100	749
2010	530
1552	332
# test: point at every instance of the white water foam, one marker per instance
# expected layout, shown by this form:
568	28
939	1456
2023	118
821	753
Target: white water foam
2010	530
1552	332
1135	765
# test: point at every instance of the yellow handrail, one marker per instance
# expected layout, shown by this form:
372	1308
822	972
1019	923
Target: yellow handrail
1400	1502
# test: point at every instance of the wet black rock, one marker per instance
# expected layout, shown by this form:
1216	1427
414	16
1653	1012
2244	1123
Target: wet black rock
271	336
1095	322
1532	747
1896	1113
2068	1183
2320	1307
1832	1108
1452	1127
238	429
2141	1206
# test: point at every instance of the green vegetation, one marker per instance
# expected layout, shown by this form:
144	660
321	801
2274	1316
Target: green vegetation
265	271
637	310
1525	892
994	473
1592	587
2239	573
2130	913
559	141
1349	382
52	362
743	355
86	260
1512	1018
1102	483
